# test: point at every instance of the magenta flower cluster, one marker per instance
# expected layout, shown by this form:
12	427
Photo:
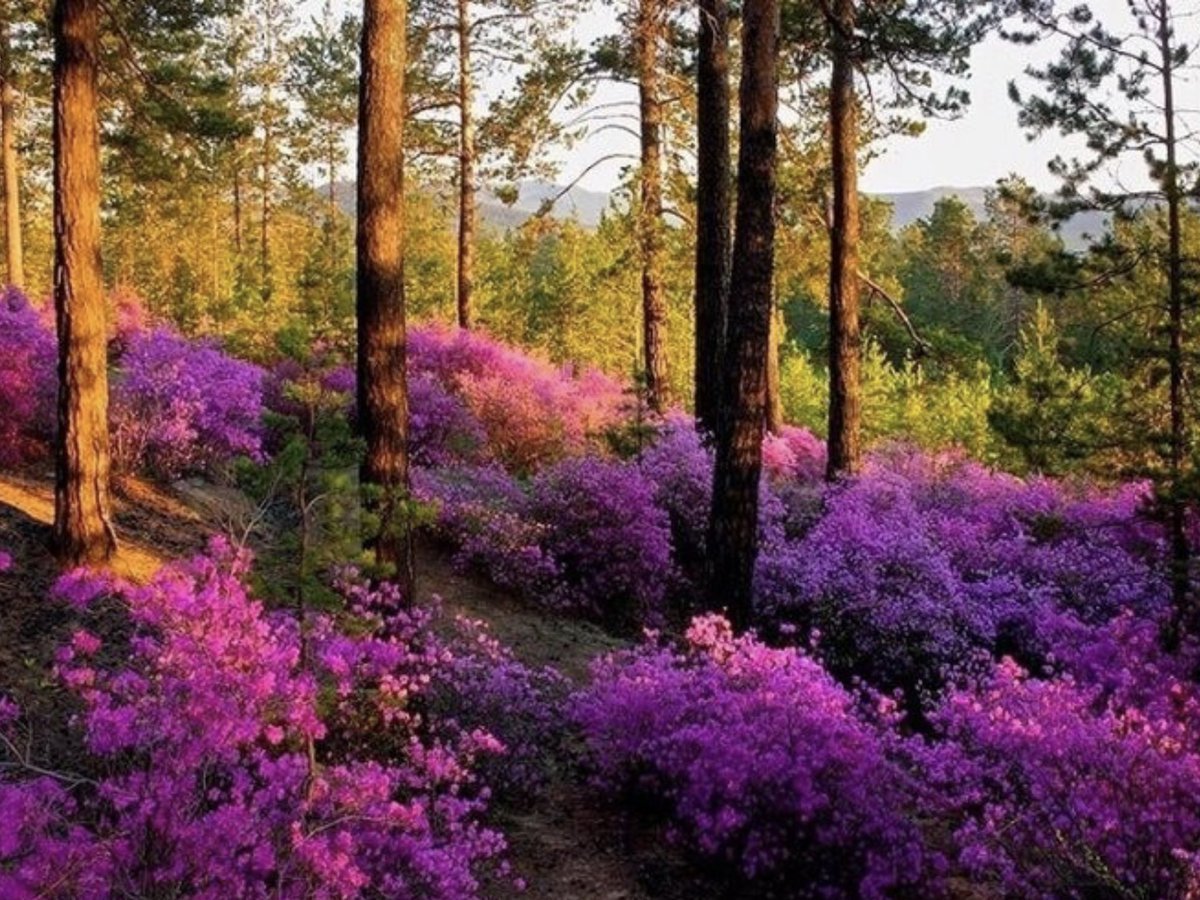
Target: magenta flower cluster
27	384
759	759
177	406
238	752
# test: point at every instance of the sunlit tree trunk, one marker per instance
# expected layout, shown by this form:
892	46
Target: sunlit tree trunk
774	382
14	251
733	530
382	382
650	226
845	340
83	530
713	209
466	171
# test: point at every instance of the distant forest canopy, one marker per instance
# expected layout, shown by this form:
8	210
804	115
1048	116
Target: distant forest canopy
225	136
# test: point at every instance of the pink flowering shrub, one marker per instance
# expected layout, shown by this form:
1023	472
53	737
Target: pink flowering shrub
180	406
531	412
242	756
759	760
27	380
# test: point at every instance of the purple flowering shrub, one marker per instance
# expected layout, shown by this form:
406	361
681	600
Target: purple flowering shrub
924	565
242	757
759	760
181	406
482	511
1065	787
611	542
27	380
585	535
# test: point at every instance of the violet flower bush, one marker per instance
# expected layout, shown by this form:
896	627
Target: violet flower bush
180	406
240	754
28	357
760	761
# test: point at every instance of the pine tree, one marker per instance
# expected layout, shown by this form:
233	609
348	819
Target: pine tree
733	527
382	379
83	531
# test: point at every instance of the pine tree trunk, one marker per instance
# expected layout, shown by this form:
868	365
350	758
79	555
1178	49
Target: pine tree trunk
845	340
774	395
733	531
264	236
713	209
654	303
382	381
14	252
1186	618
466	171
83	530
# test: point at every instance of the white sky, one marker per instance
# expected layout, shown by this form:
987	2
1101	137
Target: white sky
975	150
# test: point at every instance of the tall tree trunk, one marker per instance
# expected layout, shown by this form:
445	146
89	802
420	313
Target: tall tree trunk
14	252
264	237
654	302
774	395
466	170
733	529
845	340
713	210
1185	616
83	530
382	381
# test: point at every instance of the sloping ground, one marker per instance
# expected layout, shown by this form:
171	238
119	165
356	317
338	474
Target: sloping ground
568	844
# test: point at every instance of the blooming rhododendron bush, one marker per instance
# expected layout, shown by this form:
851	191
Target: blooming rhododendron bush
760	759
243	755
27	361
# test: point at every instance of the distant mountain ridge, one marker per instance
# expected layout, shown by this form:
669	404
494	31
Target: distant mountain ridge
588	207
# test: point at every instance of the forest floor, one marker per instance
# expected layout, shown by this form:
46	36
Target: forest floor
567	843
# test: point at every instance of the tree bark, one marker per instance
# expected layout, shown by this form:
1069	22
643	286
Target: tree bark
774	395
713	208
382	381
1186	618
14	251
83	532
466	171
845	339
733	529
264	236
654	303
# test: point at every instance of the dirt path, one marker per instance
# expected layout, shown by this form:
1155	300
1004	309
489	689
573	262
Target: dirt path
568	844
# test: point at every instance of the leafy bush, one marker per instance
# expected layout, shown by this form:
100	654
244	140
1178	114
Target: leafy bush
242	759
180	406
611	542
532	412
27	380
760	760
1070	788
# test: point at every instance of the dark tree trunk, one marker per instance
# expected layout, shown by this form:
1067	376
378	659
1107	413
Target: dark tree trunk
733	530
83	532
654	303
1186	618
466	171
713	210
845	340
14	252
382	381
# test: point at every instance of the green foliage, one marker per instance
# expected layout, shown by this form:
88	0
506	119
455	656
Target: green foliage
1050	414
